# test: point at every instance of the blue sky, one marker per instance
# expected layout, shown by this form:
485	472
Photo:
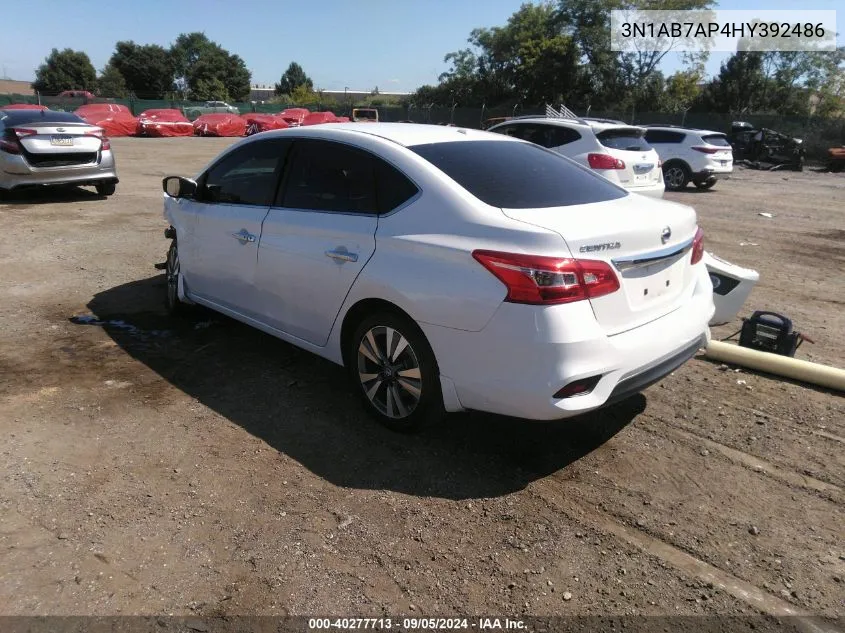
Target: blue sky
396	45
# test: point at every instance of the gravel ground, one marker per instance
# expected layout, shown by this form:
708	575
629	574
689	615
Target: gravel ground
201	467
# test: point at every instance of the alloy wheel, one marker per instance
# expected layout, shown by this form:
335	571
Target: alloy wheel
389	372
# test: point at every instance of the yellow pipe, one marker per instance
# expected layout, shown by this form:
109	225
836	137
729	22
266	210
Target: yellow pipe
805	371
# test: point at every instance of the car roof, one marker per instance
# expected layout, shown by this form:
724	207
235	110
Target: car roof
597	125
405	134
678	128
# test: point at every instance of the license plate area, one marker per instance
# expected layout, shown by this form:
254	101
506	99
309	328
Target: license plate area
646	286
61	140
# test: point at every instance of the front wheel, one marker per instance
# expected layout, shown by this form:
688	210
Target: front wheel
395	373
172	270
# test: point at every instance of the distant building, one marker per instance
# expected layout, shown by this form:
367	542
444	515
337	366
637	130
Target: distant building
12	87
265	92
262	92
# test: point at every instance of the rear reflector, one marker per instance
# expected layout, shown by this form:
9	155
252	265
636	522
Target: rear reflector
604	161
579	387
697	247
539	280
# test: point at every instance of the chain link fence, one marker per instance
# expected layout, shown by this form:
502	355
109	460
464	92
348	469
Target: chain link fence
817	133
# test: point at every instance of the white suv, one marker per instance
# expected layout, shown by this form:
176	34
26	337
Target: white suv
690	155
617	151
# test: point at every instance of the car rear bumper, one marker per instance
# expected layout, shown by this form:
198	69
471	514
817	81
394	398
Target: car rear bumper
655	190
525	354
15	172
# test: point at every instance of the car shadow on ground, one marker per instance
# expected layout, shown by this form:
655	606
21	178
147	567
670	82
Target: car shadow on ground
45	195
302	406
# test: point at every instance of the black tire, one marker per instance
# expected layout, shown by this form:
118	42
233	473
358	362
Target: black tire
106	189
172	304
676	175
705	184
397	398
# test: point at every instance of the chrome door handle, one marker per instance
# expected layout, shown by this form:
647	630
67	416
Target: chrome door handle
243	236
342	256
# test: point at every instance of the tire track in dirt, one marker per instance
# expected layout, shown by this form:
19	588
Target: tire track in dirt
748	460
551	490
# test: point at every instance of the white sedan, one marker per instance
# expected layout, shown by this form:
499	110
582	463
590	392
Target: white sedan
446	269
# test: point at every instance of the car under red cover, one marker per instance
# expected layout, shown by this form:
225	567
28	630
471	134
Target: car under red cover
294	116
316	118
220	124
164	122
257	122
114	118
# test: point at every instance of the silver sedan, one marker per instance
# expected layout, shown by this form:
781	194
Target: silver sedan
43	147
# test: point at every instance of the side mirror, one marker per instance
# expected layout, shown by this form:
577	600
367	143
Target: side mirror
178	187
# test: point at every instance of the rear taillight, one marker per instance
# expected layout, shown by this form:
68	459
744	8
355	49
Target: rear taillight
21	132
9	143
697	247
542	280
100	134
604	161
706	150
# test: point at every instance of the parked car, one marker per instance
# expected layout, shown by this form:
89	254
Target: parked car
365	115
765	147
615	150
210	107
43	147
445	268
689	155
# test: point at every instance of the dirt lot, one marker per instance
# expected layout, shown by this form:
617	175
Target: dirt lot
205	468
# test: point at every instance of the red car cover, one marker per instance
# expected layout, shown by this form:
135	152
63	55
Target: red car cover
220	124
23	106
294	116
316	118
256	122
115	119
164	122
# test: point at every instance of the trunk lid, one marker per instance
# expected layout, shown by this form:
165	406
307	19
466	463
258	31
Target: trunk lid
64	137
628	144
630	234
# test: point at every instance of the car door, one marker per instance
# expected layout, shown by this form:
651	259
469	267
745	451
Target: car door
219	249
321	233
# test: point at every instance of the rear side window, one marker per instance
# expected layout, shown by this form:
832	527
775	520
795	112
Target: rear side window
664	136
515	175
393	188
543	135
328	176
716	139
629	139
247	175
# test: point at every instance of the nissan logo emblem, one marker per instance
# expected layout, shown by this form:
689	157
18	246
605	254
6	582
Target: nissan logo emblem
665	235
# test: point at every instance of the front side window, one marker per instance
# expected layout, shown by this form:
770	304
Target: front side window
247	175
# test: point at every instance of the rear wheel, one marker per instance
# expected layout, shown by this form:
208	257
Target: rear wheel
705	184
395	373
676	176
106	189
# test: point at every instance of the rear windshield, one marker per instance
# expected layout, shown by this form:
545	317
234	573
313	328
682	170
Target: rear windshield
21	117
516	175
630	139
716	139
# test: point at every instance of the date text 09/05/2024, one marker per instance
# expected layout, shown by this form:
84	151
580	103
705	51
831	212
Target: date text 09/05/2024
416	624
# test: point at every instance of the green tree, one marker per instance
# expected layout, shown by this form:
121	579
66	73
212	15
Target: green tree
293	78
200	65
682	90
303	95
65	70
146	69
740	86
111	83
